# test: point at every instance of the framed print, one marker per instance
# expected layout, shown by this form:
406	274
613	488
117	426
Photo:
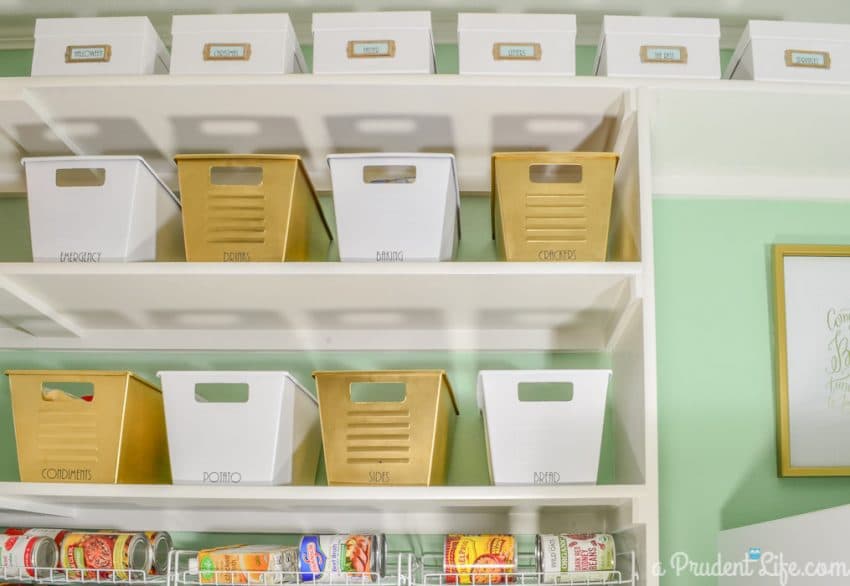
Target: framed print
812	317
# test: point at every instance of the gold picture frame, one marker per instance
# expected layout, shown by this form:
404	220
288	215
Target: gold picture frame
814	253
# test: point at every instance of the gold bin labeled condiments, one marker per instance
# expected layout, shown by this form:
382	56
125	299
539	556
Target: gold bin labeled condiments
552	206
247	208
111	432
403	439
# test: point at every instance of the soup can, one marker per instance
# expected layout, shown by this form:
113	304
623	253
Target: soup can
354	558
28	555
566	558
106	556
480	559
161	546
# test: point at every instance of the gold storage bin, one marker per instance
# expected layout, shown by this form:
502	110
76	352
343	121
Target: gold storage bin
244	208
117	437
552	206
401	443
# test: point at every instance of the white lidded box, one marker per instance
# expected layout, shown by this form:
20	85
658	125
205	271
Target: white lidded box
127	45
271	436
373	42
792	51
517	44
235	43
395	207
646	46
97	209
535	432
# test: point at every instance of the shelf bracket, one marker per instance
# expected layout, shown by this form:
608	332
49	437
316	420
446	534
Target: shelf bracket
27	315
34	507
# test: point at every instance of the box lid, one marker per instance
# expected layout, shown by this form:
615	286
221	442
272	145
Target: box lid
778	29
371	20
690	27
231	22
119	25
516	22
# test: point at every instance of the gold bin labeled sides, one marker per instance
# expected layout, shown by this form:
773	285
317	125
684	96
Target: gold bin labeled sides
377	440
115	434
245	208
552	206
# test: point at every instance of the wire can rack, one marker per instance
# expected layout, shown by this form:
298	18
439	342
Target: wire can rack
400	570
39	575
625	573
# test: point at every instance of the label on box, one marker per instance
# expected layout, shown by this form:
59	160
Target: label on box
814	59
227	51
517	52
364	49
88	53
656	54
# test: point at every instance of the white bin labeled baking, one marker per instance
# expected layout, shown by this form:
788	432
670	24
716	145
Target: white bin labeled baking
127	45
270	437
99	209
395	207
373	42
646	46
516	44
234	43
536	432
792	51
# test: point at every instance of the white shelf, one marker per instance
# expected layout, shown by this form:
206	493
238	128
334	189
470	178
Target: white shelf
292	509
302	306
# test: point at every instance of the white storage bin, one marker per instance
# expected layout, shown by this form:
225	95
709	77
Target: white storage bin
644	46
235	43
792	51
517	44
272	438
395	207
543	442
97	46
373	42
97	209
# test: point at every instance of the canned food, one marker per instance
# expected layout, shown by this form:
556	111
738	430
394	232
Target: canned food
25	555
57	535
248	564
353	558
561	557
161	546
479	559
106	555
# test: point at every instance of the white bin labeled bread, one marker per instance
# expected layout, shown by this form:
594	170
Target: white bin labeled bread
792	51
395	207
644	46
98	209
235	43
270	436
543	426
127	45
373	42
516	44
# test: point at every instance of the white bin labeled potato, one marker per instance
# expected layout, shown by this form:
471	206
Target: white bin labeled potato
219	434
99	209
126	45
396	207
543	426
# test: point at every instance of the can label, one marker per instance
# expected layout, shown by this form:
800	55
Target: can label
57	535
326	558
561	557
18	553
248	565
108	554
479	559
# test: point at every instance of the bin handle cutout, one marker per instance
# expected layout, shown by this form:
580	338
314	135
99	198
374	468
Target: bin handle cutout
377	392
236	175
555	173
81	177
389	174
66	391
221	392
541	392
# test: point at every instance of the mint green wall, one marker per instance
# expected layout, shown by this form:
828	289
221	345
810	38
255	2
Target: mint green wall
716	385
